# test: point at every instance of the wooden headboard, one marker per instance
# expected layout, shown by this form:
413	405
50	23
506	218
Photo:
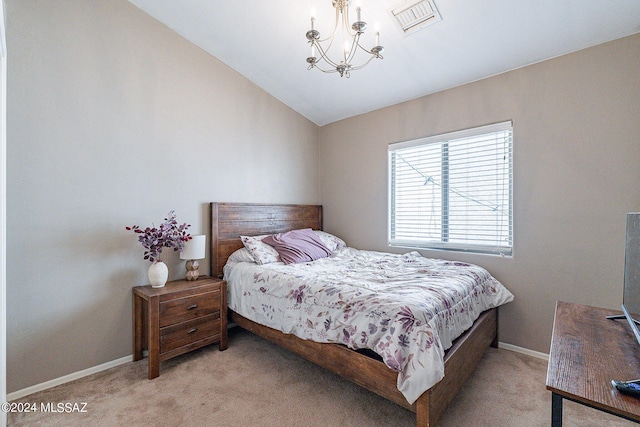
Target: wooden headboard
229	221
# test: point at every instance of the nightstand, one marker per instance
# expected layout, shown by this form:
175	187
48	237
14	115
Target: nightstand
177	318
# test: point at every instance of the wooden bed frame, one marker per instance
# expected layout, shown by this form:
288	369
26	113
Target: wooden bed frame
230	220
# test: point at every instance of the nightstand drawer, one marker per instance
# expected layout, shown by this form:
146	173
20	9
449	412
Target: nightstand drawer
188	308
172	337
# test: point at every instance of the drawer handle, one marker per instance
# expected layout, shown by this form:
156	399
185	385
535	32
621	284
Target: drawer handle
192	330
191	307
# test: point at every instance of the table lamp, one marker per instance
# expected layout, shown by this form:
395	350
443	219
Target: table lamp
194	250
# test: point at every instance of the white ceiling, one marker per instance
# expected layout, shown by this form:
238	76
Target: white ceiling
264	40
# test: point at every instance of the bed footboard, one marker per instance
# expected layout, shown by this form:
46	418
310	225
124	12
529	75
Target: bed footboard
460	361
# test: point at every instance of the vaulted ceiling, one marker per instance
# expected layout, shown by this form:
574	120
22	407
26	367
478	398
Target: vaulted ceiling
264	40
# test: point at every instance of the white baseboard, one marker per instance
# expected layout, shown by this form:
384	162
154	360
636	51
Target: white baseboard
67	378
523	350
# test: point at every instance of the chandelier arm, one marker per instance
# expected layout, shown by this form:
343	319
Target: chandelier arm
345	21
354	49
373	55
366	50
348	56
363	65
371	52
325	57
335	29
329	71
322	50
330	37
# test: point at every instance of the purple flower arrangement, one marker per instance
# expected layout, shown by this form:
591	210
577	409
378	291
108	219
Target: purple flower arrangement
168	235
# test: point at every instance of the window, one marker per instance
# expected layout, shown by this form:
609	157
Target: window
453	191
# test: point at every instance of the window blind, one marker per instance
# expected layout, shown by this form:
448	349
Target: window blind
453	191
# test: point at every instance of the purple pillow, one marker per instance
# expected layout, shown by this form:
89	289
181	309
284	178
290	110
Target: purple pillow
298	246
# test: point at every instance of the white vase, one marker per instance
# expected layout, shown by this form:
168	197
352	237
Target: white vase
158	274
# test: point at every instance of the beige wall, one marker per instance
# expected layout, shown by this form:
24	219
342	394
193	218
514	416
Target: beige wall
576	171
113	120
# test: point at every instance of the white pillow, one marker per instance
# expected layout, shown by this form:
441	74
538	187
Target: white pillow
330	241
241	255
260	251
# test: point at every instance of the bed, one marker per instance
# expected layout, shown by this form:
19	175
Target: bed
229	221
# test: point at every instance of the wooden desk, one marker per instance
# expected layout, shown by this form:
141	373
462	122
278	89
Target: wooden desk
587	352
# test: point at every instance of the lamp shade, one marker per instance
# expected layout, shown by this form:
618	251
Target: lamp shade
195	248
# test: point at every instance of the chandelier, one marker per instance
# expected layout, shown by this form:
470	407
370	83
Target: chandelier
350	35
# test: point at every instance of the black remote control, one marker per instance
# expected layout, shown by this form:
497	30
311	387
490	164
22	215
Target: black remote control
627	387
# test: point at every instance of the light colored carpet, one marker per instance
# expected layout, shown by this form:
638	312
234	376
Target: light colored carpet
255	383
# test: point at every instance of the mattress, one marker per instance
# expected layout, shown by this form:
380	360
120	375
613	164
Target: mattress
406	308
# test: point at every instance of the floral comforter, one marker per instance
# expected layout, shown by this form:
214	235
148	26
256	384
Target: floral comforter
406	308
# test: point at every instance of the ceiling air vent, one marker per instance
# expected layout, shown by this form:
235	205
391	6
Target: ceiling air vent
414	15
